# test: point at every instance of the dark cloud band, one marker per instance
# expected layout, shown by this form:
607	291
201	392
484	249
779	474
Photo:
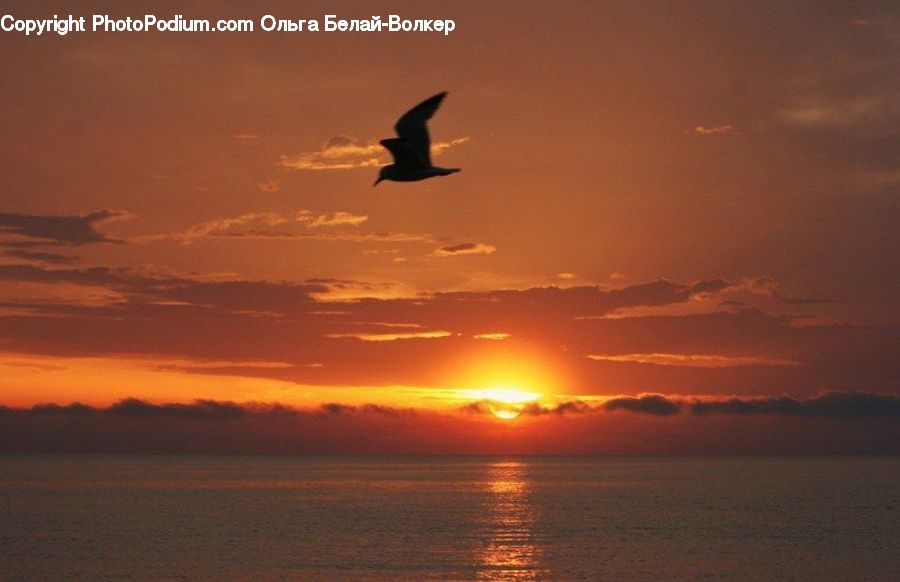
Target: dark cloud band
71	230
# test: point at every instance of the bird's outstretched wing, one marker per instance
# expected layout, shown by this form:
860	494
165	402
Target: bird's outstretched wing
413	129
405	155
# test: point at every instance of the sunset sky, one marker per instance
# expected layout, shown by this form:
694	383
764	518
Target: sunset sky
675	228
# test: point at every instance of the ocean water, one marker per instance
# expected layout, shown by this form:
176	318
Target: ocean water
337	518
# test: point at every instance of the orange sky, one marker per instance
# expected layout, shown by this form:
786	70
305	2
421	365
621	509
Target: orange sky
690	199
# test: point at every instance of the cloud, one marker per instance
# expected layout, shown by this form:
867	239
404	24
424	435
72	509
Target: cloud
271	225
466	248
200	409
269	186
208	426
221	226
656	404
694	360
342	152
867	424
843	106
711	286
389	337
137	293
832	112
380	251
572	407
337	408
707	296
70	230
853	404
829	404
561	408
74	409
491	336
43	257
354	237
439	147
476	407
339	218
833	405
108	312
647	404
702	130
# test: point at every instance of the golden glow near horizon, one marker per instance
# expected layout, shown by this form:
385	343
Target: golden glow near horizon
505	383
506	402
504	394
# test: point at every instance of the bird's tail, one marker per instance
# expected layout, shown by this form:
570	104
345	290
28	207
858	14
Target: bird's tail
448	171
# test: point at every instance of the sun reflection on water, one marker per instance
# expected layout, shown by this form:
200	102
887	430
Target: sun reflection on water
510	552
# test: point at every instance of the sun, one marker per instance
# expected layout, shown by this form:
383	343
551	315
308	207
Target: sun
505	411
506	403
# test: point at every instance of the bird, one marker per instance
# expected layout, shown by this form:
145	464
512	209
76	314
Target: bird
411	148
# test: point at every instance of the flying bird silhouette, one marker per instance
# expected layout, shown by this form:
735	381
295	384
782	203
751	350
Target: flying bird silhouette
411	148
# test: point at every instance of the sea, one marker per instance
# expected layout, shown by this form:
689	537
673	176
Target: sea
449	518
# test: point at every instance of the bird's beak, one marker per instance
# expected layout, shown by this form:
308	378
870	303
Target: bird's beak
376	181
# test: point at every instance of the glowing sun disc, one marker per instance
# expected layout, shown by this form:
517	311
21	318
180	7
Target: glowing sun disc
505	411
